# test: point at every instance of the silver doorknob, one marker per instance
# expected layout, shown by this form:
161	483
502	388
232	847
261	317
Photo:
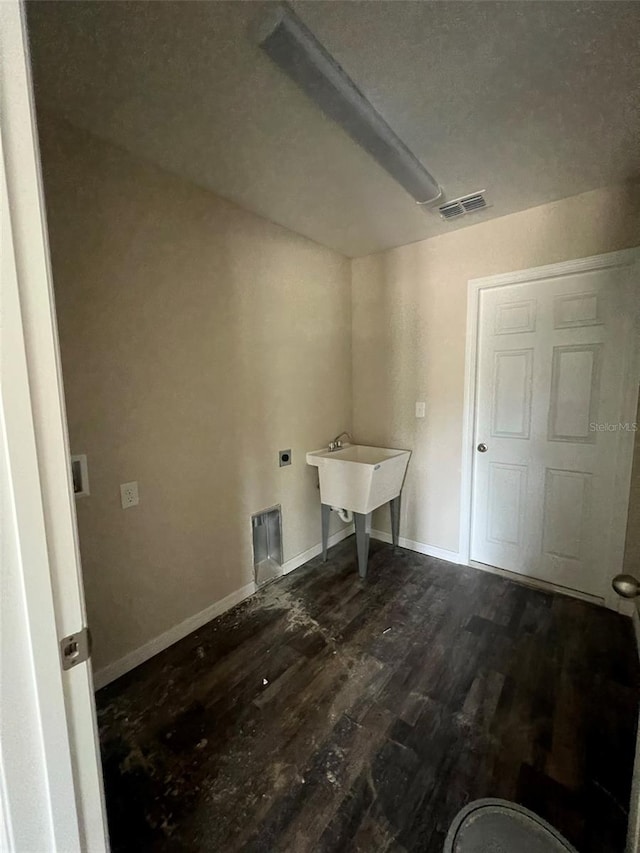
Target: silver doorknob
482	448
626	585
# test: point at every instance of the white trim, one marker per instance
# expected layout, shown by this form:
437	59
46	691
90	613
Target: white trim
454	557
419	547
625	607
158	644
635	618
46	806
624	258
633	826
468	417
625	447
76	799
310	553
7	843
536	583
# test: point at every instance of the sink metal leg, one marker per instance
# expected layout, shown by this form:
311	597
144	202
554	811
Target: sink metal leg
394	506
326	515
362	521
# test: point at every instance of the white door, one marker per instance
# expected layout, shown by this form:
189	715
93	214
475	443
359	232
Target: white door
554	358
50	776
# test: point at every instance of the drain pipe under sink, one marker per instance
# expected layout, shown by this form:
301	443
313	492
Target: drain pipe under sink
343	514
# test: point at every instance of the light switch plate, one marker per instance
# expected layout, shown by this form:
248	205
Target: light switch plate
129	494
420	410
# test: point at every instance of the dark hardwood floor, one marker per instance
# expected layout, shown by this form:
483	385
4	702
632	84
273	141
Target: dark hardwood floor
333	714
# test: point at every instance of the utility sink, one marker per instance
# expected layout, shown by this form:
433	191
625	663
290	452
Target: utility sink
358	477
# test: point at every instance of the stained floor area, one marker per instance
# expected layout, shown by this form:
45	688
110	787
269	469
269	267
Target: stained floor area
328	713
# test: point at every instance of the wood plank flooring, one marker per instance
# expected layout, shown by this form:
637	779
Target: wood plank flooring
332	714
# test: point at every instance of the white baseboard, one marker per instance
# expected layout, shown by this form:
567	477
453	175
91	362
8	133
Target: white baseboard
458	559
635	618
303	558
536	583
419	547
625	606
158	644
633	827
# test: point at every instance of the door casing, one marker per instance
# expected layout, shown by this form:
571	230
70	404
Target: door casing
53	595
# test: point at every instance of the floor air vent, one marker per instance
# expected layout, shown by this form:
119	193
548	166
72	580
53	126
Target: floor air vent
466	204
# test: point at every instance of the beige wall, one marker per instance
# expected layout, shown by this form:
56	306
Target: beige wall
197	340
409	318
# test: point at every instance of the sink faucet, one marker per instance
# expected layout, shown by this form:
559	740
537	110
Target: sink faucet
336	444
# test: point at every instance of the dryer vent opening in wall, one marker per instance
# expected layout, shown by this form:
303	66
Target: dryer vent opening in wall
267	544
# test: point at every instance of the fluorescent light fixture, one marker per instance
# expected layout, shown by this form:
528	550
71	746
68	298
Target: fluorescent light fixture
297	52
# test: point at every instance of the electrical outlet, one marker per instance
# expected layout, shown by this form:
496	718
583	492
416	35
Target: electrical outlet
284	458
129	494
420	410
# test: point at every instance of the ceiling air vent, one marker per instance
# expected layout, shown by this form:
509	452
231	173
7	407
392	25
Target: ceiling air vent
466	204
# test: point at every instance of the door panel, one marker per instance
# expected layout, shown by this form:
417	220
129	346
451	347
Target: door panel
567	503
577	309
575	392
513	372
516	317
551	362
507	490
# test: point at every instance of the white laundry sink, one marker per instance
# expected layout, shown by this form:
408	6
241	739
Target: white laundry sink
359	478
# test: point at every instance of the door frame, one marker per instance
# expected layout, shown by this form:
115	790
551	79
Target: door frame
40	518
65	700
623	258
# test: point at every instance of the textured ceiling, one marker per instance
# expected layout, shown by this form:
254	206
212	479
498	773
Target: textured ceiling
532	101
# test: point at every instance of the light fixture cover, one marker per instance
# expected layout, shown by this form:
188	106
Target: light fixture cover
297	52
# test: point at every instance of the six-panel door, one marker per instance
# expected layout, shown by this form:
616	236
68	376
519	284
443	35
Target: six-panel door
552	360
